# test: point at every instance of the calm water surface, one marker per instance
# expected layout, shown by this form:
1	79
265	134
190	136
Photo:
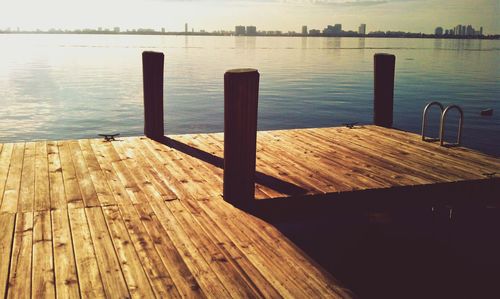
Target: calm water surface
76	86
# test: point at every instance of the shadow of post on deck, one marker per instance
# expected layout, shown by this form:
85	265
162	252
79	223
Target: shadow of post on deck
240	131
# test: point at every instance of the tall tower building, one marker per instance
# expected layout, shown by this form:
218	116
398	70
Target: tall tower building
362	29
469	31
337	28
251	30
186	28
239	30
304	30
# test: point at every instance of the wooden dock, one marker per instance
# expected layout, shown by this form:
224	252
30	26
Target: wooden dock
143	218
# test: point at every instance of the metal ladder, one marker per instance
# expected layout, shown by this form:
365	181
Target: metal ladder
444	112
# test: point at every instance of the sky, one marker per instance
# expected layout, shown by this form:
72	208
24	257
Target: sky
285	15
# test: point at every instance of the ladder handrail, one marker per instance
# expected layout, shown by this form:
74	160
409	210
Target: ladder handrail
460	124
424	115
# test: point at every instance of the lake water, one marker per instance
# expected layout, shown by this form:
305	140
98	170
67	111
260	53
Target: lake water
76	86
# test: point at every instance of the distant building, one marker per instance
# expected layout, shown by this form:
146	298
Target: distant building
304	30
438	31
163	29
314	32
469	31
116	29
251	30
462	30
186	28
239	30
333	30
362	29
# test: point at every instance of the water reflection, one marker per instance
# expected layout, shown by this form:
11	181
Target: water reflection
70	86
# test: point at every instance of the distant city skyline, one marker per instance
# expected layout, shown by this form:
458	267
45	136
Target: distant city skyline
285	15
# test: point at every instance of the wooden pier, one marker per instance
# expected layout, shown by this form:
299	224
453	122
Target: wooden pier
169	217
142	218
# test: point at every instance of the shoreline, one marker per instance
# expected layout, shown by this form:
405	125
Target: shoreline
406	35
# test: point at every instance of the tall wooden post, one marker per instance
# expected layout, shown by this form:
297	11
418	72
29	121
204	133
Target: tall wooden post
383	101
241	93
152	72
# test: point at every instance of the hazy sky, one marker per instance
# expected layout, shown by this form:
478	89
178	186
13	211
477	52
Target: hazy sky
406	15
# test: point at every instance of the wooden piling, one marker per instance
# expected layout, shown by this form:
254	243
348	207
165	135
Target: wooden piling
383	101
241	91
152	70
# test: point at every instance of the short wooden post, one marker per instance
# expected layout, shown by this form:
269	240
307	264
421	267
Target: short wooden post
152	71
241	93
383	101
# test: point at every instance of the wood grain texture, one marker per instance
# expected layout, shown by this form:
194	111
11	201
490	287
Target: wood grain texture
42	184
12	185
146	218
7	223
64	256
89	278
43	281
20	263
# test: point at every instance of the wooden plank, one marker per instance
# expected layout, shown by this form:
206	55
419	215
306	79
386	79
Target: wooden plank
338	165
89	278
104	193
193	186
64	258
216	142
298	160
465	160
5	157
277	260
313	268
20	265
413	154
398	156
183	278
192	167
27	189
87	189
42	192
107	260
136	175
135	162
159	275
13	183
237	258
384	157
192	256
118	190
43	281
150	161
270	238
135	277
279	280
328	153
7	223
73	194
119	170
230	277
56	182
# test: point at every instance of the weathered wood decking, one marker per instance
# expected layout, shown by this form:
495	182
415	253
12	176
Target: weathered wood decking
143	218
